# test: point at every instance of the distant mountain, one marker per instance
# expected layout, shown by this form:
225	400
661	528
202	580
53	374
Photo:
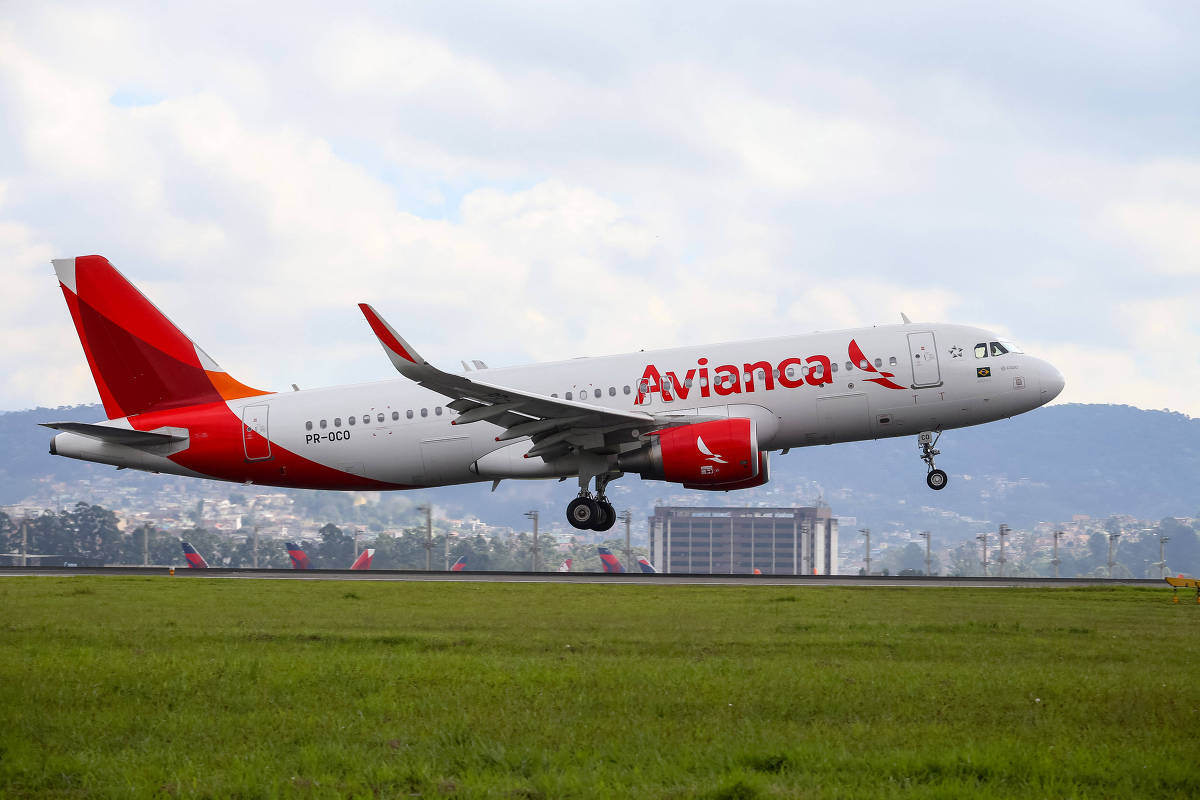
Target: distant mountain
1047	465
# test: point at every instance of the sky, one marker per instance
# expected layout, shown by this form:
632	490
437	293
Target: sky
532	181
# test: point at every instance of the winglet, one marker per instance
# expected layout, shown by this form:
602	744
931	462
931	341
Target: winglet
401	353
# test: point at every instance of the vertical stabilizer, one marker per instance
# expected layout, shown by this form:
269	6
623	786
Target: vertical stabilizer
297	555
139	359
194	559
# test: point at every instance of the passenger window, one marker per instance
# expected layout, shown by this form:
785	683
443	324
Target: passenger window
998	349
424	412
568	395
819	370
598	393
367	419
408	414
322	424
395	416
981	350
626	389
352	420
790	372
879	362
643	387
612	391
864	365
832	366
308	425
337	422
438	411
892	361
849	366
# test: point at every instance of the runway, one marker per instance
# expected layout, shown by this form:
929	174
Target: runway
628	578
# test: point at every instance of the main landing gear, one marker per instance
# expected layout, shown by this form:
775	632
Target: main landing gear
592	512
936	479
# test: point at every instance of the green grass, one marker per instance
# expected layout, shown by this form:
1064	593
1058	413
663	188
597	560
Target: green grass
139	686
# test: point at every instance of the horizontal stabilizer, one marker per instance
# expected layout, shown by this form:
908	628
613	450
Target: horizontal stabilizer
116	435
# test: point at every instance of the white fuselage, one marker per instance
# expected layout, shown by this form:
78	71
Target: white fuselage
397	432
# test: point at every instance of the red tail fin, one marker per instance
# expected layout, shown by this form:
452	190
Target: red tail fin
139	359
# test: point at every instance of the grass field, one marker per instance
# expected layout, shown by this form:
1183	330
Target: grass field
141	686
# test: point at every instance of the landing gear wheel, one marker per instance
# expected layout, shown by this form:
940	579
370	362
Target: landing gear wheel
607	517
583	513
936	479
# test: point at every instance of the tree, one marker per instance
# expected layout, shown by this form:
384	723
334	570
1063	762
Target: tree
335	550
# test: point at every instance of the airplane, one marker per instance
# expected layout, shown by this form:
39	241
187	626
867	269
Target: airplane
705	416
194	559
300	558
459	565
565	566
646	565
609	561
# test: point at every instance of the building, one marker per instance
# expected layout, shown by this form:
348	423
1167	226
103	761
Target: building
776	541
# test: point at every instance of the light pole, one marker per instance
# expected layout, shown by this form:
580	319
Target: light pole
867	558
627	518
1112	539
1055	561
928	561
983	538
1004	531
1162	558
533	515
428	544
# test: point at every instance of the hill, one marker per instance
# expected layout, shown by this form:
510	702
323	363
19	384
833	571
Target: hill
1047	465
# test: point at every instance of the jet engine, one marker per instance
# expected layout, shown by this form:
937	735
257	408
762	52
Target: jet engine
704	455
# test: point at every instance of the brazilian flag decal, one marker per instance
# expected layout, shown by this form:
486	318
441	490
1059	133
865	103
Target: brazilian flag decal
983	372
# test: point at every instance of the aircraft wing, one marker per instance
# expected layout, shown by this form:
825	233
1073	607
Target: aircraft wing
555	425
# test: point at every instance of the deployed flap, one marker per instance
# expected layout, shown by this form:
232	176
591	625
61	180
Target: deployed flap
123	436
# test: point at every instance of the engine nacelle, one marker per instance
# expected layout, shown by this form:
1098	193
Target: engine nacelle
703	455
764	475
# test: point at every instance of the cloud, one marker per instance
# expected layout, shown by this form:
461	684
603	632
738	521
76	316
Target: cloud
531	184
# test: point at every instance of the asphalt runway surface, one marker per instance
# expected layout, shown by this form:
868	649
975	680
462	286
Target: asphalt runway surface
629	578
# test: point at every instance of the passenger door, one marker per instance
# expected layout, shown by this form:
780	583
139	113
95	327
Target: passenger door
254	433
923	351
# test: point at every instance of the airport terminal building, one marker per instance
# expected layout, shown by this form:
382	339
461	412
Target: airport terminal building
776	541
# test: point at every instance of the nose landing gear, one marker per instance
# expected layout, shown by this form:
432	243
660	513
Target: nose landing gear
588	512
936	478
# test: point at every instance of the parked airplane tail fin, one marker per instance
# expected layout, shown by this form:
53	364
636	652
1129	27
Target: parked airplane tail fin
459	565
194	559
297	555
364	559
646	565
139	359
609	561
565	566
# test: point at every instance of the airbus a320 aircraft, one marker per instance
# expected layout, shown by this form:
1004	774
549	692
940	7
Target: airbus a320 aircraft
704	416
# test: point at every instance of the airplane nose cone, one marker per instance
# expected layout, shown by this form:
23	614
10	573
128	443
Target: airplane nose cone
1052	382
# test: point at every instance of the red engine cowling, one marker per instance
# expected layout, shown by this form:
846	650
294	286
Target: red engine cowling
720	454
764	475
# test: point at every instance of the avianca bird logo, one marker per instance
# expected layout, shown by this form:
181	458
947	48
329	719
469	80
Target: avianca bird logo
713	457
861	361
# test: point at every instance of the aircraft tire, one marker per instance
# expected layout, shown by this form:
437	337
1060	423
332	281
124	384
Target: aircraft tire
583	513
607	517
936	479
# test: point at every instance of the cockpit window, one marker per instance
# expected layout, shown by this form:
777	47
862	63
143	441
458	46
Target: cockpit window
981	350
998	349
1011	346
